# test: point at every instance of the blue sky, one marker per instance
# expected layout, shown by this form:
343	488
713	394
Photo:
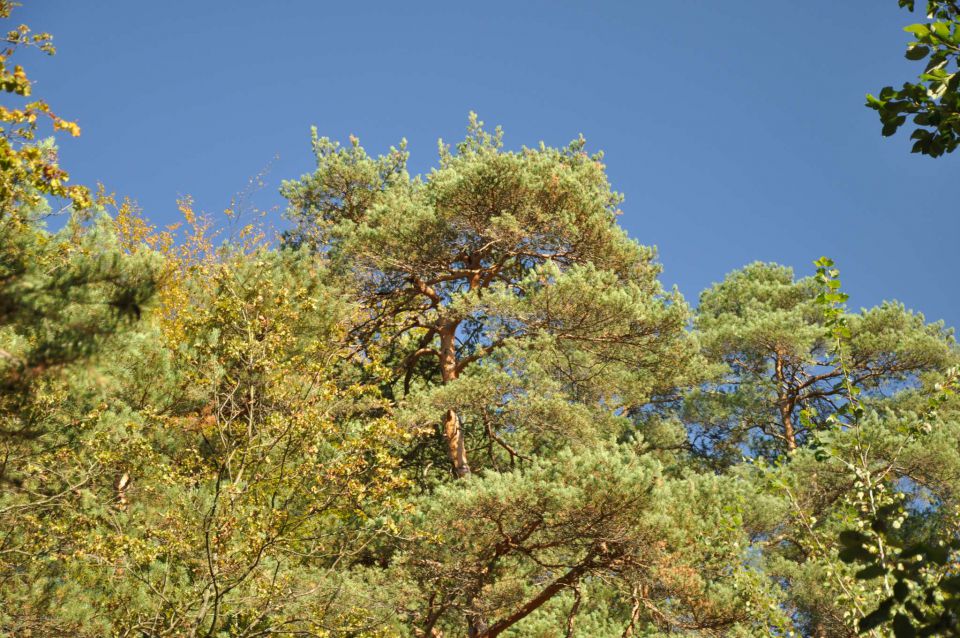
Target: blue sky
736	130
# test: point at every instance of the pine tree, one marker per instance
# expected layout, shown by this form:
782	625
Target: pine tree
767	328
508	265
518	314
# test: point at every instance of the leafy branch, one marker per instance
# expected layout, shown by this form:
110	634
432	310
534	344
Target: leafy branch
934	100
921	588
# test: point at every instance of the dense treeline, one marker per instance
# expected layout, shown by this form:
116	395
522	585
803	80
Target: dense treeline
455	404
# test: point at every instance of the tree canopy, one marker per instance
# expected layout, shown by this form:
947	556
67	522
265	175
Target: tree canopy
452	404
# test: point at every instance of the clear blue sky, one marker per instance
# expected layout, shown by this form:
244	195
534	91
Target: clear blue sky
736	130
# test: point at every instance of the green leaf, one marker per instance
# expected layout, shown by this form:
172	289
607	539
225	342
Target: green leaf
876	618
901	590
915	611
871	572
917	52
941	29
852	538
902	627
951	585
853	554
938	554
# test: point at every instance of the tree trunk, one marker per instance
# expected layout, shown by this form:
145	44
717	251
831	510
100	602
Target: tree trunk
455	446
785	405
786	418
452	431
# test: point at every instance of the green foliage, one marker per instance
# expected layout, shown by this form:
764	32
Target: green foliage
62	293
29	170
66	299
918	592
933	101
776	337
455	404
498	278
494	549
920	580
